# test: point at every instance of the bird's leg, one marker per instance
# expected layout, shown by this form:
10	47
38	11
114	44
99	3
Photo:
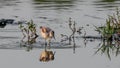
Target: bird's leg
45	47
45	43
49	43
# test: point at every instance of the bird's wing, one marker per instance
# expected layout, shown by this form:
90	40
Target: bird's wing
48	29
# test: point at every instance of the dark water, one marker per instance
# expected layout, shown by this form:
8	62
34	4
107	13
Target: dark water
55	14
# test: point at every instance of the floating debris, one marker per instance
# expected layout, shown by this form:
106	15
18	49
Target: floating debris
4	22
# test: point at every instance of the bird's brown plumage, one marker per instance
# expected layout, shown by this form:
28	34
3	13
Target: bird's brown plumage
47	33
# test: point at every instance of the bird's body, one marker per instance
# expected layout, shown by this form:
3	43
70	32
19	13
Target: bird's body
47	33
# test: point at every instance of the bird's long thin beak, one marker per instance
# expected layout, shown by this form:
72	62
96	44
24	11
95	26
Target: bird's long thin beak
54	37
53	34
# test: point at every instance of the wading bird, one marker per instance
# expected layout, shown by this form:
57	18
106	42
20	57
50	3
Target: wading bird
47	34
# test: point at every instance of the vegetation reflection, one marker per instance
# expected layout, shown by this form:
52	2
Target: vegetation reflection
109	49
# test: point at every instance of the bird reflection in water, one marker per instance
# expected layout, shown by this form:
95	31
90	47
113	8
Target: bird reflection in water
47	55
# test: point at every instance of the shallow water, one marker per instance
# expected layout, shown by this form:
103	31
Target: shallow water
55	14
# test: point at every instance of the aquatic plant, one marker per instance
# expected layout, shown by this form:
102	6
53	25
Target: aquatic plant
71	38
110	33
74	29
29	32
111	27
115	19
106	31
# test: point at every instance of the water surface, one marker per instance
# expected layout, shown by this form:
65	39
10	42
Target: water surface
55	14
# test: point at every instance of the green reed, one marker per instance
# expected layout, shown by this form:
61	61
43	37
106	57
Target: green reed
112	25
29	31
107	31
